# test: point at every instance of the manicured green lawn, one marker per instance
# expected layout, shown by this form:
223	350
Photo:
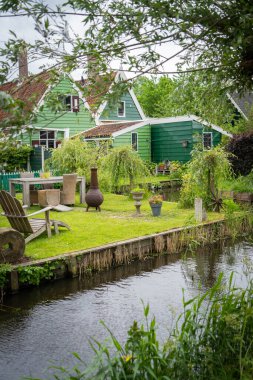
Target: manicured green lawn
115	222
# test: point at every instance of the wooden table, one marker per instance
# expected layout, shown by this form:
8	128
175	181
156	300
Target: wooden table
26	182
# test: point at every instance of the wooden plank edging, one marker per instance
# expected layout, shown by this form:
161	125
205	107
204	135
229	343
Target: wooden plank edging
76	263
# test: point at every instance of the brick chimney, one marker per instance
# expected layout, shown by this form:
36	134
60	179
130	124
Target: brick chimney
23	64
92	70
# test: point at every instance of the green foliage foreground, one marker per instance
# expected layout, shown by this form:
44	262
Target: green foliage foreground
213	339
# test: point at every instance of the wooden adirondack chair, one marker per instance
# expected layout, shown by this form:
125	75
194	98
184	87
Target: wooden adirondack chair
19	220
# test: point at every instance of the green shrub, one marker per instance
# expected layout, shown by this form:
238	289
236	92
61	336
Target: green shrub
176	170
241	146
241	184
14	158
124	164
203	175
75	156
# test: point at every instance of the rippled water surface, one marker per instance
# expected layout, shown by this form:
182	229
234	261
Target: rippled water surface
44	326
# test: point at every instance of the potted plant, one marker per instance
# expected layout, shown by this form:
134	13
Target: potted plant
137	195
156	204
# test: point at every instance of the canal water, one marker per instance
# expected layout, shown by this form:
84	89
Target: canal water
41	327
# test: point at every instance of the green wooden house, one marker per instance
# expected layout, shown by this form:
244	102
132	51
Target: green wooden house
158	140
77	114
48	127
93	119
127	108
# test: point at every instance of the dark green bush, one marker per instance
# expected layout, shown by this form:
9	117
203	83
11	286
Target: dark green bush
14	158
241	146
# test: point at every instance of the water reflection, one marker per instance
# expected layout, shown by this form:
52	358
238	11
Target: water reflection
50	323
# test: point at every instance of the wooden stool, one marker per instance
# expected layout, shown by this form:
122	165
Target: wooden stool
49	197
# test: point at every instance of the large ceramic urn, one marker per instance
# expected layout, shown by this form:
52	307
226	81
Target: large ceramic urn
94	197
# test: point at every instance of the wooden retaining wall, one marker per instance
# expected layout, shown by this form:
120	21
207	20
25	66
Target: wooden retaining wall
121	253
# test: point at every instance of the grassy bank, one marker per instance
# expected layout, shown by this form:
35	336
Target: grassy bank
116	222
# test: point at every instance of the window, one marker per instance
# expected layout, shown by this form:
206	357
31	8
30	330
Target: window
121	109
47	139
70	102
134	141
207	140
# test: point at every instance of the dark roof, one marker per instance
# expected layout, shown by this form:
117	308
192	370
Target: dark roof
96	88
243	102
106	130
29	91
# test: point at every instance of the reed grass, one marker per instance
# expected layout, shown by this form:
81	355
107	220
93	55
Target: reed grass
213	339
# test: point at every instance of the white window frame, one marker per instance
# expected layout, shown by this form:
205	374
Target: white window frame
137	141
46	139
205	133
124	114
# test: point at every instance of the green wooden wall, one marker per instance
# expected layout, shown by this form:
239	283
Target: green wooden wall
199	128
144	141
131	111
166	140
75	121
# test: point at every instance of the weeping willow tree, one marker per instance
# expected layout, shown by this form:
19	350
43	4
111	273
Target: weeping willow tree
124	165
75	156
205	172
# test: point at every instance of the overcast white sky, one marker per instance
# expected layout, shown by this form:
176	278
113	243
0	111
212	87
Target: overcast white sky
24	28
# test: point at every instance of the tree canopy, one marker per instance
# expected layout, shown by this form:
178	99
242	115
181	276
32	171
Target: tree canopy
188	94
213	36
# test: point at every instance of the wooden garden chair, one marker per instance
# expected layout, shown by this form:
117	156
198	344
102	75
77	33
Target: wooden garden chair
19	220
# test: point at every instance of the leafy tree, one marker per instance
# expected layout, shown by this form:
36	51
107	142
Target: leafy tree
154	95
206	169
241	146
188	94
123	163
214	36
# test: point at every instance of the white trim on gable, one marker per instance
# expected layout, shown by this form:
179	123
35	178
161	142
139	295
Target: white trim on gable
213	126
176	119
120	74
236	106
130	129
51	86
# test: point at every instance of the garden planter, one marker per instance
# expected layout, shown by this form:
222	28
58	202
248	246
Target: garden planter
94	197
137	196
156	208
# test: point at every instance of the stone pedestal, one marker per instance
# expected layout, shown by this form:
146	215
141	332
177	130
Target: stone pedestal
200	212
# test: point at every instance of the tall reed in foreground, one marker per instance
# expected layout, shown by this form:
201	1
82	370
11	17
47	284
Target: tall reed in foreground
213	340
